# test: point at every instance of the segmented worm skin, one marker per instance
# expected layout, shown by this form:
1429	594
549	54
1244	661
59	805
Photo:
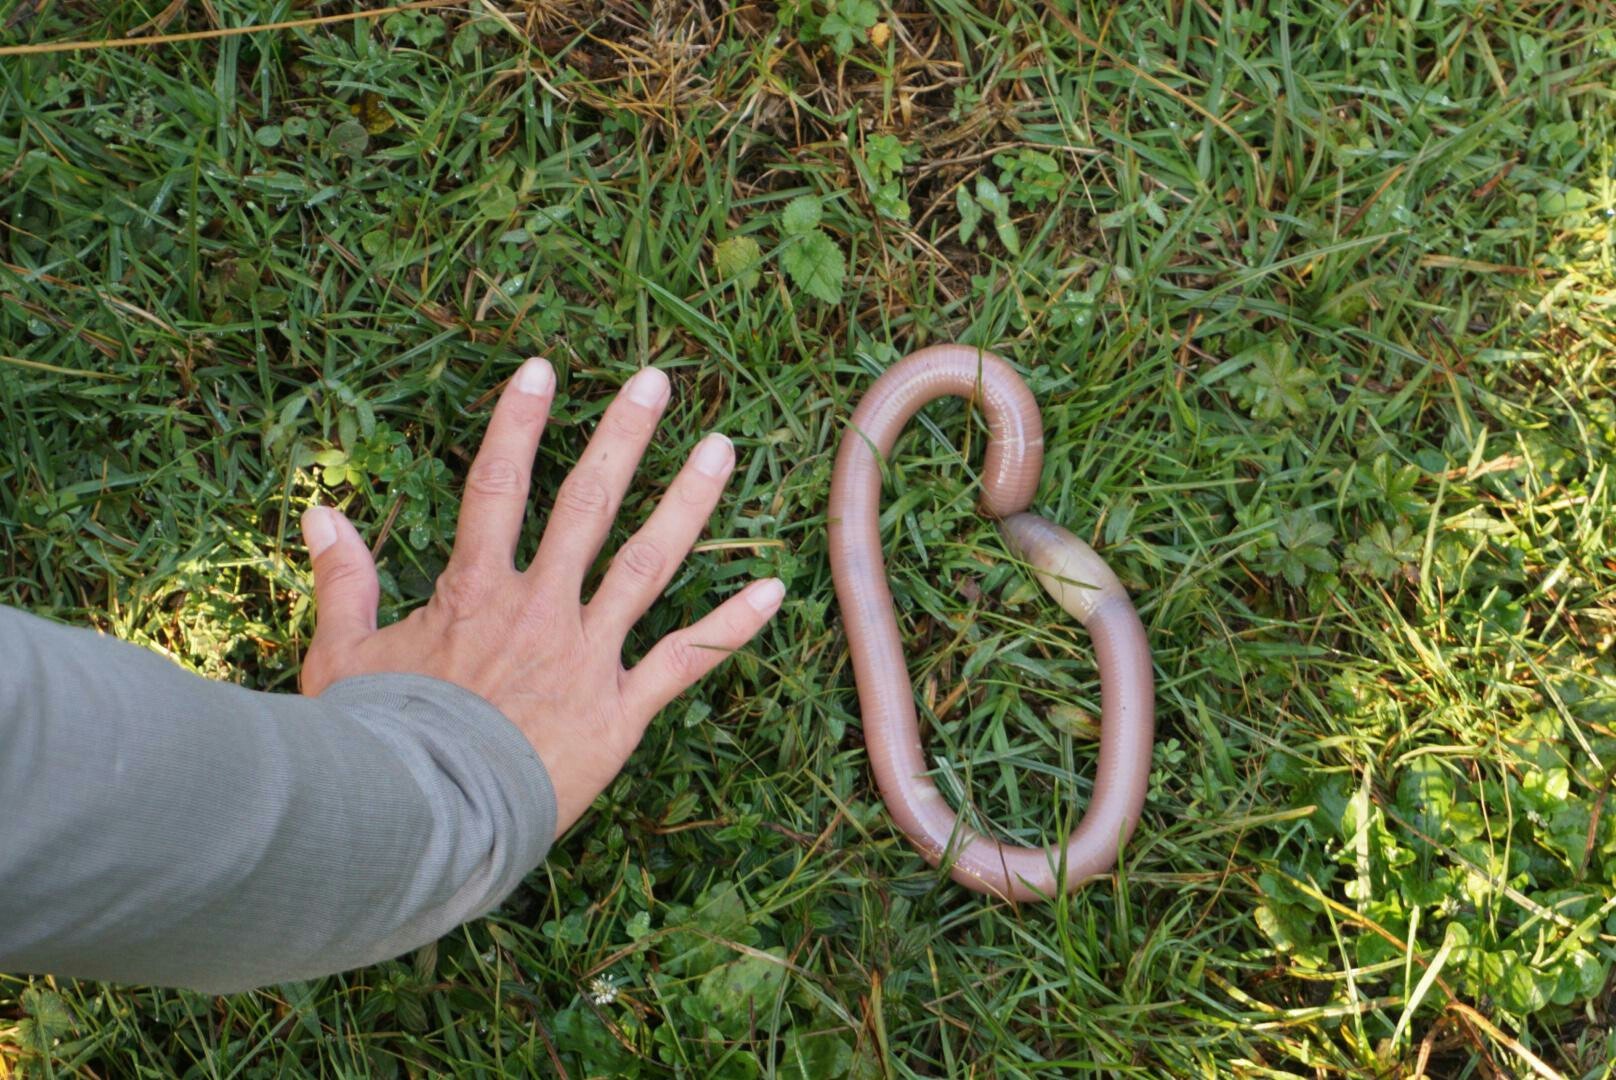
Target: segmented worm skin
1077	578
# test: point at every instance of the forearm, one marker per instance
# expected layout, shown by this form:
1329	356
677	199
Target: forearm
157	827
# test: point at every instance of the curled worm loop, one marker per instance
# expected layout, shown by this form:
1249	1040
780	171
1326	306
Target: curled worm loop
1075	576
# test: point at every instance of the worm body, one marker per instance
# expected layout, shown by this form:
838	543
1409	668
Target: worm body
1075	576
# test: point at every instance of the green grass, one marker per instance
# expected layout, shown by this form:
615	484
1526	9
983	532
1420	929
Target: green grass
1316	297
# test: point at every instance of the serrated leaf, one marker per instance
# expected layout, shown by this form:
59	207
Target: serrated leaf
1381	553
738	259
1300	544
816	266
802	215
848	22
48	1013
1276	383
1394	485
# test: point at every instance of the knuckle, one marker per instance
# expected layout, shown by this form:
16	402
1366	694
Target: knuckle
460	591
494	476
583	493
537	616
643	560
688	660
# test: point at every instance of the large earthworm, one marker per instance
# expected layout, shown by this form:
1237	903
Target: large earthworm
1075	576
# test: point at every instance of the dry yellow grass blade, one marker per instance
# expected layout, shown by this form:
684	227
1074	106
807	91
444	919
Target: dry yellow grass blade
206	35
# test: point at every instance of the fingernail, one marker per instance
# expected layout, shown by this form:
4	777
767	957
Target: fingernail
648	388
714	456
766	595
535	377
319	529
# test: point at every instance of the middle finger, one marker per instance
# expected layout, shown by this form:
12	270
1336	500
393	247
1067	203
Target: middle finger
590	495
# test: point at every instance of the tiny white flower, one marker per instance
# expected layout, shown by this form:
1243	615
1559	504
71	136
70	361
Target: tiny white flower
602	990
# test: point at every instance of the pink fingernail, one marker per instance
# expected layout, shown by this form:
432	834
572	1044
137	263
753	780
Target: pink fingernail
535	377
715	456
649	388
319	529
766	595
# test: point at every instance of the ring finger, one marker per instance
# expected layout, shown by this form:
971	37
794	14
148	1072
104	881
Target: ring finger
642	568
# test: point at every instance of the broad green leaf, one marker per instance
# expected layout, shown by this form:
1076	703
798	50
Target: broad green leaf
988	194
1531	54
884	153
802	215
1382	553
816	266
815	1056
731	994
889	202
738	259
970	212
1425	794
349	139
722	914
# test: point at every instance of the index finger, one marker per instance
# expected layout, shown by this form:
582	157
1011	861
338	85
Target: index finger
495	500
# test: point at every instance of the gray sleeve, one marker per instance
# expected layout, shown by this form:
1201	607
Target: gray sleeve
157	827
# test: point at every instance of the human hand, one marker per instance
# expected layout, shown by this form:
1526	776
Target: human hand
523	639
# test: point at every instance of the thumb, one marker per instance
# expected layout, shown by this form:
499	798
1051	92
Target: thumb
345	586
